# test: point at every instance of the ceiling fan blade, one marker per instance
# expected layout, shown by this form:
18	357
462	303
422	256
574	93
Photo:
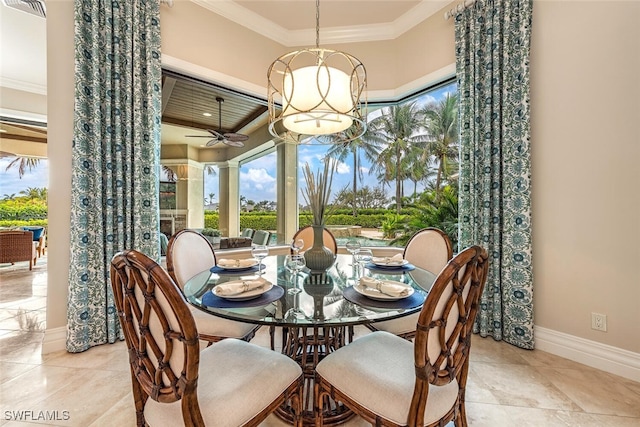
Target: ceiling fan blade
212	142
237	137
232	143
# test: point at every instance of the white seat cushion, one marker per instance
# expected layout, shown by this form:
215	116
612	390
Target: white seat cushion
237	380
209	324
402	325
377	372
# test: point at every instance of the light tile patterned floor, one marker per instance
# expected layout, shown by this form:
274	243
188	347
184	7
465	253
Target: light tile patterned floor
507	386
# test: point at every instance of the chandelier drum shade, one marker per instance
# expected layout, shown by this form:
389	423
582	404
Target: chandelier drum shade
321	91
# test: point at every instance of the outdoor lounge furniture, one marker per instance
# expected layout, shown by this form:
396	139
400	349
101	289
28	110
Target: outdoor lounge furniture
232	383
261	237
235	242
39	236
390	381
188	253
16	246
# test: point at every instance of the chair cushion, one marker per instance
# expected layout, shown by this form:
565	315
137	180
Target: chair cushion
377	372
209	324
402	325
237	380
37	232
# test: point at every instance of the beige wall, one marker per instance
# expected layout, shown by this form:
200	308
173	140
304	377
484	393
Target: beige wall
585	145
585	74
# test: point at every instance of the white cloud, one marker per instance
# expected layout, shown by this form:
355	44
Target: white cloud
343	168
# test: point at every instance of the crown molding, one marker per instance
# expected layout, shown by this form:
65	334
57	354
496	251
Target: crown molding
23	86
334	35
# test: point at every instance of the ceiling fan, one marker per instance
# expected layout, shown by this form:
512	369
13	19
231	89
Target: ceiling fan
231	139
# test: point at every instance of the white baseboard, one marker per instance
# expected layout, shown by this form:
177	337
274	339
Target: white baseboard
591	353
54	340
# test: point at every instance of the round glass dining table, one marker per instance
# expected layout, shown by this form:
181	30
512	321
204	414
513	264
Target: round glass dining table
320	317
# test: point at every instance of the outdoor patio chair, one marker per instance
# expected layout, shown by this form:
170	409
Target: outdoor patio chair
188	254
430	249
247	232
233	383
261	237
16	246
306	234
390	381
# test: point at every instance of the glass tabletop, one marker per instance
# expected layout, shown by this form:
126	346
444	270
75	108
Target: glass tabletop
331	297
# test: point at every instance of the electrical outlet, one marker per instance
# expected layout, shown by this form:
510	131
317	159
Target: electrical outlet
599	322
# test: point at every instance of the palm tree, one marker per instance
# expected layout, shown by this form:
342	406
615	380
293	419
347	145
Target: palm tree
398	127
441	123
344	145
23	163
35	193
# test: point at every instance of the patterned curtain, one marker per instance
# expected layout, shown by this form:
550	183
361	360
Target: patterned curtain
115	157
492	66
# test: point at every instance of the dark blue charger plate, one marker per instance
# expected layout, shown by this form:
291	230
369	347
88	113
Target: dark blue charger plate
236	271
395	269
414	300
273	294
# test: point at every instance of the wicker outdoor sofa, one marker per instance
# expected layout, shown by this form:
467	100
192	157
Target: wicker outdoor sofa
16	246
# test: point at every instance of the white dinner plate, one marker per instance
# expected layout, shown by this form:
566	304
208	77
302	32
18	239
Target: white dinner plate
237	268
253	293
388	264
379	296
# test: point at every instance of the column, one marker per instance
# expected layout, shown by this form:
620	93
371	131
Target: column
287	190
229	196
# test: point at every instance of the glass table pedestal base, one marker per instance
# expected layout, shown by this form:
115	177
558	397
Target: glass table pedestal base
308	346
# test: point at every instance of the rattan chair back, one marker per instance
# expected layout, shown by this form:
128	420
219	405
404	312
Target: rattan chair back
160	333
443	335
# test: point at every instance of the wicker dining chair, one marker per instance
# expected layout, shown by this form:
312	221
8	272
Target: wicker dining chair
390	381
232	383
188	254
306	234
429	249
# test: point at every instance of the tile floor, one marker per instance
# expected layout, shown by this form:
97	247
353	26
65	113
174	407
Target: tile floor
507	386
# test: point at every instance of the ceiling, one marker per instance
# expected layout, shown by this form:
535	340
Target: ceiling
185	100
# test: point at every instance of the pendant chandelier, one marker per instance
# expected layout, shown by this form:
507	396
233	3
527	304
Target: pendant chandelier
322	92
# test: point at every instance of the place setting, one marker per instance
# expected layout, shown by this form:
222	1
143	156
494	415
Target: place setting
383	293
250	291
394	264
237	266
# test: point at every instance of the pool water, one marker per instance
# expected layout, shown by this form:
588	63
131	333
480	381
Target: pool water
364	241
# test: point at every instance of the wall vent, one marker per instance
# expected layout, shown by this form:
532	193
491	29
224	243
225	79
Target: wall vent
34	7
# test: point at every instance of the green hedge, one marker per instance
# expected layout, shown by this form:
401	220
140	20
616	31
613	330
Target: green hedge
21	210
367	218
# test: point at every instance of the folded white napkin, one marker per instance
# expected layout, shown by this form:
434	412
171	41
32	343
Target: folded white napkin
386	287
237	263
239	286
397	259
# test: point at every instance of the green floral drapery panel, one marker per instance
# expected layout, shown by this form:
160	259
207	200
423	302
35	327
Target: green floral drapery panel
115	156
492	66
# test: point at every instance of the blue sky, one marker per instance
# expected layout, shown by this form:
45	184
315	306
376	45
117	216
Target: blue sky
10	183
257	178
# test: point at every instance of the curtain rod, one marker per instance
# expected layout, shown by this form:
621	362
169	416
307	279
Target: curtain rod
459	8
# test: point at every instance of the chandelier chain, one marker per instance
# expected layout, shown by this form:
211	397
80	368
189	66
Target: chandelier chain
317	24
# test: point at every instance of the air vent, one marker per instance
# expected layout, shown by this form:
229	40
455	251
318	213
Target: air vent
34	7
